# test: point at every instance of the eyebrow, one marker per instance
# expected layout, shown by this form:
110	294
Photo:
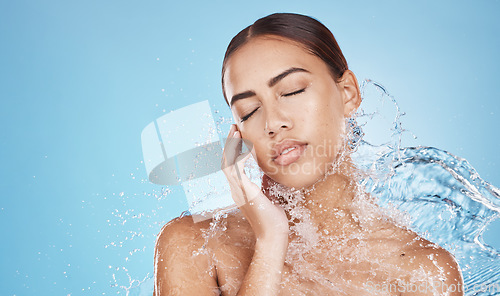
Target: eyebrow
272	82
241	96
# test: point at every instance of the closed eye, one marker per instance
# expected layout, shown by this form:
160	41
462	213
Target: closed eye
248	115
294	93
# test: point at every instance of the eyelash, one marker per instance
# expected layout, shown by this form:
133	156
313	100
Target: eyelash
294	93
248	115
244	118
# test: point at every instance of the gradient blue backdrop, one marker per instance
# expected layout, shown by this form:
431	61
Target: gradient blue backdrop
79	80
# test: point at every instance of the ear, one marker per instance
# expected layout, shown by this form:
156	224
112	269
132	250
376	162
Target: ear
350	88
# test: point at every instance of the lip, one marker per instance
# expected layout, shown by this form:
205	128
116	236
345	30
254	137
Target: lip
291	156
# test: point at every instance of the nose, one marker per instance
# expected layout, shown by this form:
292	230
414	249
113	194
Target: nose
276	121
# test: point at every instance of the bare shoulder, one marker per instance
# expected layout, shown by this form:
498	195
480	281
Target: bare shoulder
433	267
180	228
181	266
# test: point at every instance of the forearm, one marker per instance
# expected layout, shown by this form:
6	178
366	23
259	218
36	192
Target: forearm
263	277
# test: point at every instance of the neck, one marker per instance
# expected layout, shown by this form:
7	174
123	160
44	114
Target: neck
330	201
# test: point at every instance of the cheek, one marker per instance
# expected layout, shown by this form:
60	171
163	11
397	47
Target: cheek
322	120
326	134
259	152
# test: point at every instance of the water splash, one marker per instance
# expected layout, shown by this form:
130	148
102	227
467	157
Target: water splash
436	194
445	198
448	203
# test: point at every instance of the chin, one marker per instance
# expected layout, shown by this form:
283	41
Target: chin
297	181
300	175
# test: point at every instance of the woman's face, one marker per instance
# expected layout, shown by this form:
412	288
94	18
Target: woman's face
286	103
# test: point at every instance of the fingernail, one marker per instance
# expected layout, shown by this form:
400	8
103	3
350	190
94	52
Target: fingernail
234	134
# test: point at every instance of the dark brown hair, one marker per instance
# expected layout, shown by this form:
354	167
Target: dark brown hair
313	35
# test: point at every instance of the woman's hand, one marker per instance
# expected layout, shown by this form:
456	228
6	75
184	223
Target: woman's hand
268	221
267	218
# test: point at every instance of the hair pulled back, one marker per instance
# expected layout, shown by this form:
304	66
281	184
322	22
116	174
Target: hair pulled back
312	34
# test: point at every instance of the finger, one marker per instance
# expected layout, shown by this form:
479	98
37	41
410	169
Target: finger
242	158
230	135
241	162
251	189
232	149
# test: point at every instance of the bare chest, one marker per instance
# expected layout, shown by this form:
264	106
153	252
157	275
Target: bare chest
351	271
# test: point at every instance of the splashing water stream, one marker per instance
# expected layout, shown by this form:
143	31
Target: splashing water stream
430	191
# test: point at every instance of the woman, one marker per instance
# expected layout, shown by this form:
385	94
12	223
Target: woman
309	230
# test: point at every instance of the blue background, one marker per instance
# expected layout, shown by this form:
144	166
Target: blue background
80	80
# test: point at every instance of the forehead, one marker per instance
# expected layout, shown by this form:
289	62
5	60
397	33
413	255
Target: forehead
262	58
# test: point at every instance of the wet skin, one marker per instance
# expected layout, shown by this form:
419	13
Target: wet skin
398	254
296	125
306	105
